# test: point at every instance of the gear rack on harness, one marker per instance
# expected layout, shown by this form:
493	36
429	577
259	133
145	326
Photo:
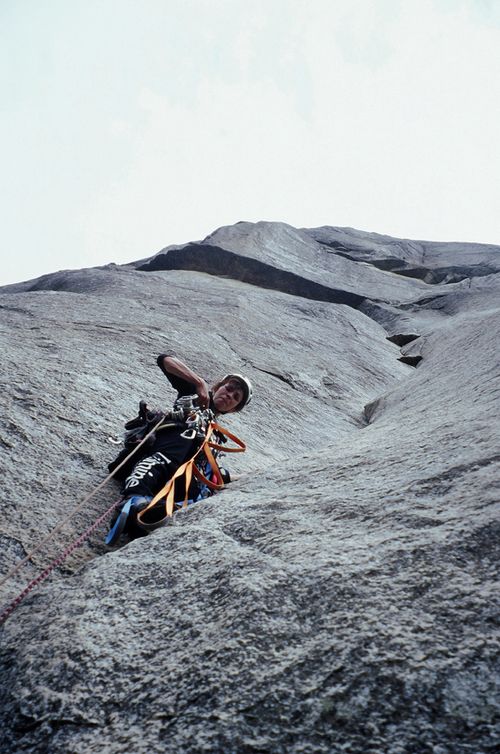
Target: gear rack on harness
195	479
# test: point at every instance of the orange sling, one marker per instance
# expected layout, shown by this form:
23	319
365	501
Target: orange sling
189	469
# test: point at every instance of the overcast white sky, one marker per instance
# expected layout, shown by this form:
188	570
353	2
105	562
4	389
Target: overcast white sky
129	125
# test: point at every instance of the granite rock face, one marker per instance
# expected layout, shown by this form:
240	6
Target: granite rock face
341	596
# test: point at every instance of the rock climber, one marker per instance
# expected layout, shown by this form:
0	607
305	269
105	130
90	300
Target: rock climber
173	445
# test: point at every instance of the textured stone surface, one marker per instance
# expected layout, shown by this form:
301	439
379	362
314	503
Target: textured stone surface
342	595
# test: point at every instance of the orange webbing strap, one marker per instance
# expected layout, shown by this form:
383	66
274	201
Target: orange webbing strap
188	469
189	476
241	445
218	484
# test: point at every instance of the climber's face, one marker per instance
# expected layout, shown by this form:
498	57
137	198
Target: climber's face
228	396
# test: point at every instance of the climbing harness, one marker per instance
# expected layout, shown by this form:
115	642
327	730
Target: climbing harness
194	467
142	429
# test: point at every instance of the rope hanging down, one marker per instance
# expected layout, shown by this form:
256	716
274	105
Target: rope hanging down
188	470
7	610
10	607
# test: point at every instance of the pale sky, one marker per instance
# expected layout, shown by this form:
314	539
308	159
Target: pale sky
129	125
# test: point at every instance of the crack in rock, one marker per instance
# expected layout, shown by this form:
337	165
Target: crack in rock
215	260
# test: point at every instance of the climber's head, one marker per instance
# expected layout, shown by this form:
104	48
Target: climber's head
232	393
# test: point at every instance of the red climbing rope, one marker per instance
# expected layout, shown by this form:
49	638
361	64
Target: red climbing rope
9	607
